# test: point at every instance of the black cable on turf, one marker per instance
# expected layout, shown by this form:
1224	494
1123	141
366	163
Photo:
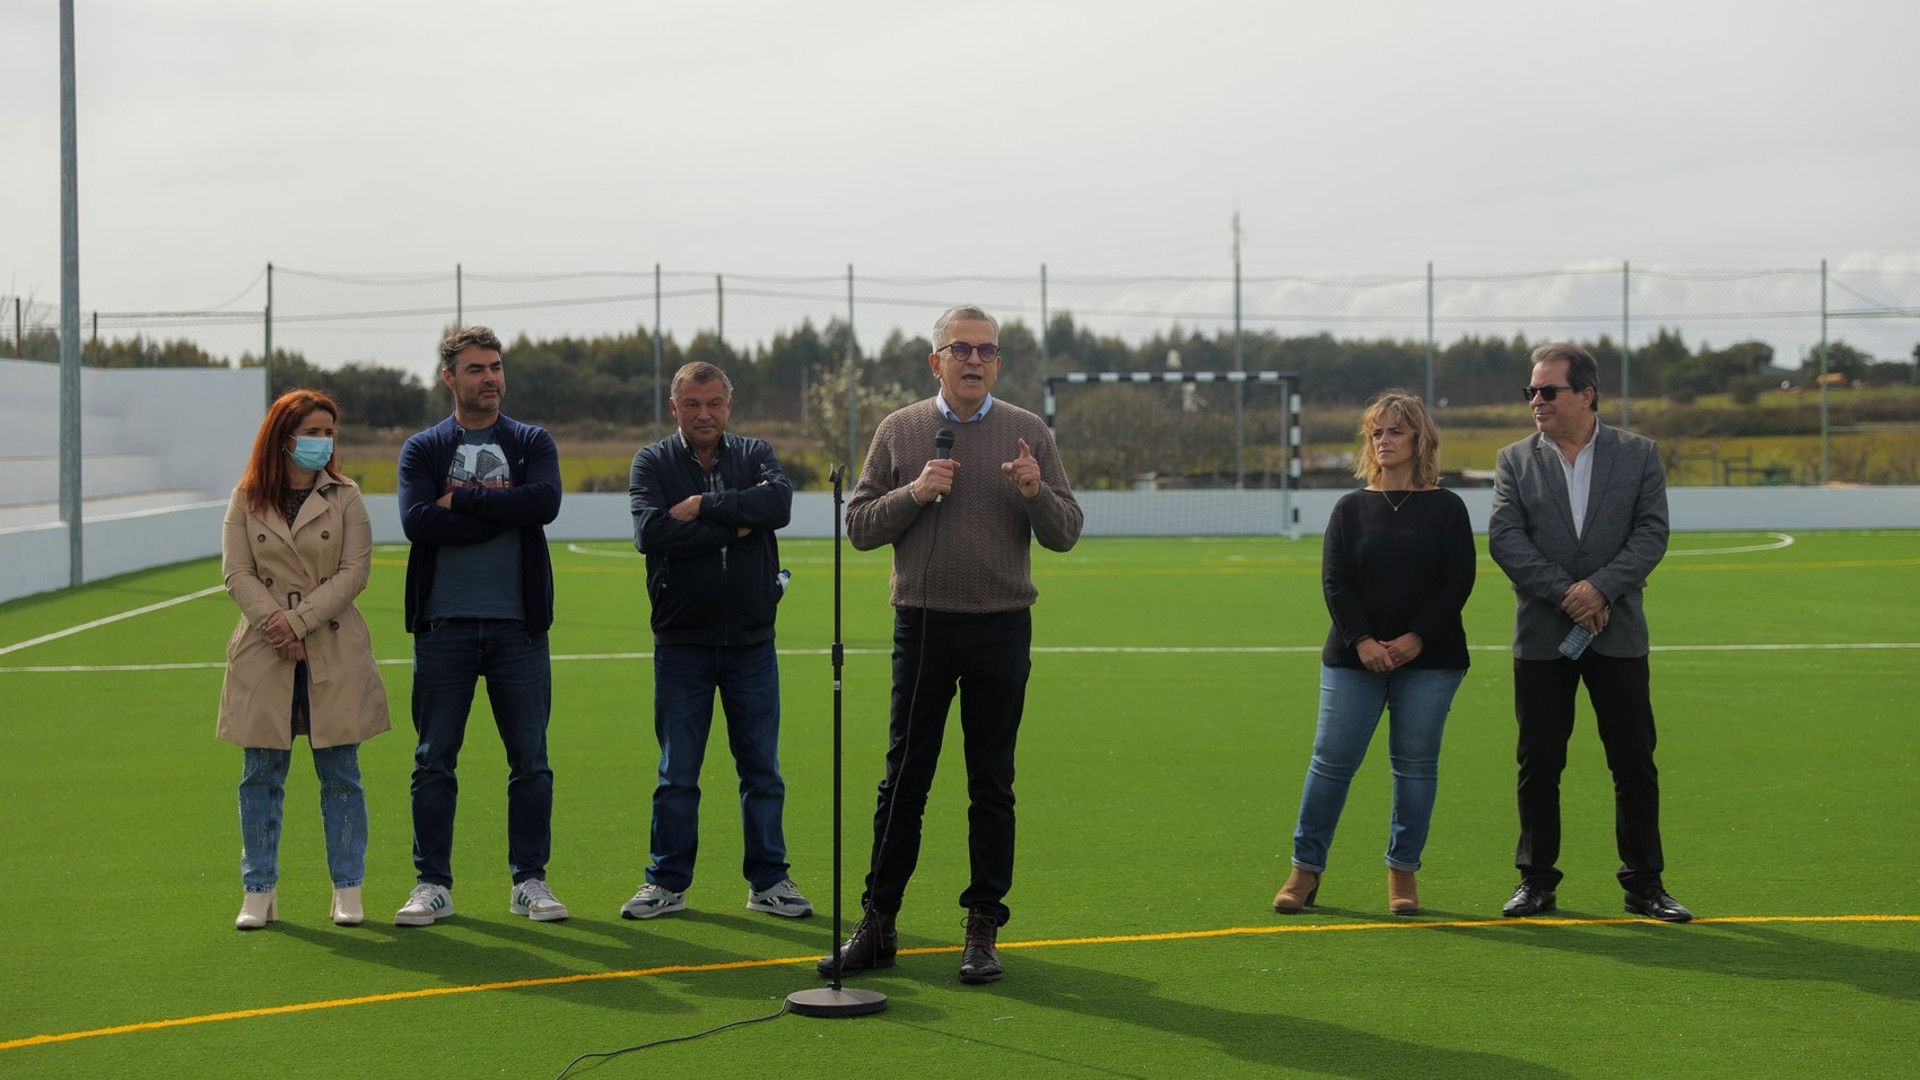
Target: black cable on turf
663	1042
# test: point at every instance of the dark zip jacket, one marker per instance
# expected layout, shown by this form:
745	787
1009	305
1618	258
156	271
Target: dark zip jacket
710	585
480	513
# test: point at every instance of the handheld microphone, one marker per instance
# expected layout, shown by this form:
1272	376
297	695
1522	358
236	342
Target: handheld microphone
942	450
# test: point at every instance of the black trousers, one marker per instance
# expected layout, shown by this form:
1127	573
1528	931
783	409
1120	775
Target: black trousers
986	658
1543	699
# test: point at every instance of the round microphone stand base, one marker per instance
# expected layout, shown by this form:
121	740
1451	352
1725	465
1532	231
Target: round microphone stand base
836	1001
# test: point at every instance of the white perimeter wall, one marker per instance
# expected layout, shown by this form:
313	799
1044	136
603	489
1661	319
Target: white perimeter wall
34	559
141	429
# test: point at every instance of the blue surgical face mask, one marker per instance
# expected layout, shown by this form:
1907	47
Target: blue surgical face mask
312	452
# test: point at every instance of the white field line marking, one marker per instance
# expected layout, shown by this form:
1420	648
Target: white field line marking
1776	542
1080	650
72	630
1780	540
603	553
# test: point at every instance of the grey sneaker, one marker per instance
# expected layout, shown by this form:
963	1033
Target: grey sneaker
426	905
781	899
653	900
533	899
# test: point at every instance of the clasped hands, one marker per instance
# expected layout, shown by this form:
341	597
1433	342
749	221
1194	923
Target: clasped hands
281	635
1384	656
937	478
1586	605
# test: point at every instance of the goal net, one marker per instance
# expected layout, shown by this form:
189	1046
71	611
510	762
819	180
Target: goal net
1172	453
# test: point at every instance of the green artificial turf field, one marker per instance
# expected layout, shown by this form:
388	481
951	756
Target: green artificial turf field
1167	730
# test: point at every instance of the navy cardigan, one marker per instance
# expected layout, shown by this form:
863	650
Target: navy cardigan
480	513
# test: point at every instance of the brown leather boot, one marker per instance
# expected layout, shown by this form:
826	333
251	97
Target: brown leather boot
1298	893
873	944
1403	896
980	960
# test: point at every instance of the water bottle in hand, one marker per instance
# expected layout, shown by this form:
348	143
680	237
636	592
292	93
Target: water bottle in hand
1576	642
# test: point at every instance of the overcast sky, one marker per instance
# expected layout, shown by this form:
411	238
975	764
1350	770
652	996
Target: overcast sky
965	138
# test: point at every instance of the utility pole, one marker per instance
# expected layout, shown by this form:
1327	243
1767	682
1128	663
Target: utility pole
70	505
1431	403
1239	364
266	361
853	382
1043	324
1825	463
1626	353
656	345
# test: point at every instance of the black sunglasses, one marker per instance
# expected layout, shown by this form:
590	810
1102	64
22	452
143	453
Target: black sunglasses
1547	393
962	350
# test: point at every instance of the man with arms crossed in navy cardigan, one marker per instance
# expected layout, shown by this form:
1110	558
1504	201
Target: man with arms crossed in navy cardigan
477	491
1579	522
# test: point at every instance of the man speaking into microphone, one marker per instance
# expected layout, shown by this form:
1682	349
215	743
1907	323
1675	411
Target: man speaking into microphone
961	524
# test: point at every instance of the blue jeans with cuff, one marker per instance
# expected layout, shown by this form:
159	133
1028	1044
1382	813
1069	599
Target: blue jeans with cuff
343	814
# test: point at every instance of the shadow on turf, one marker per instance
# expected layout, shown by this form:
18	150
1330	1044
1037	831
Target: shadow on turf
1267	1037
1741	950
470	950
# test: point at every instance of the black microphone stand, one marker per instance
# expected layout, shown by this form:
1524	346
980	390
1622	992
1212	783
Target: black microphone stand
833	1000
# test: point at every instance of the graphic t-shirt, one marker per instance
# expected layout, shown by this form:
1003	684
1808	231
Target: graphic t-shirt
478	581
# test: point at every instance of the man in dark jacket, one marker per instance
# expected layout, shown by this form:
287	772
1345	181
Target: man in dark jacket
477	491
705	506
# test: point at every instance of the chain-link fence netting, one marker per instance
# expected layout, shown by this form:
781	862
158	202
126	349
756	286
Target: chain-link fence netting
599	345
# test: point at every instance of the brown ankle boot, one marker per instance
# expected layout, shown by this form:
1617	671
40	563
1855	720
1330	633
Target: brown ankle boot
980	960
1298	893
873	944
1403	896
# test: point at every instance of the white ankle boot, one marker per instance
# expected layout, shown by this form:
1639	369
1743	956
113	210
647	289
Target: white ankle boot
346	906
257	909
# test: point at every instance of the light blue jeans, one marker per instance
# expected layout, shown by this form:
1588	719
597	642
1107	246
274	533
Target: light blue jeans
1351	701
343	814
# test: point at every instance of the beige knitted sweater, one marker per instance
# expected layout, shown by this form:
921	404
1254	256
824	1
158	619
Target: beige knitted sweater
980	535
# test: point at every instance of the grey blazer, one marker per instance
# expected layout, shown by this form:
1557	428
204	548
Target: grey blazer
1531	537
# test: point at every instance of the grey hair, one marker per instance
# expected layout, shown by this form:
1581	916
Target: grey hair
701	372
963	311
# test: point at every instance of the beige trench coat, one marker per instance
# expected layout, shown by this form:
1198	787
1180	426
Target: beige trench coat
312	570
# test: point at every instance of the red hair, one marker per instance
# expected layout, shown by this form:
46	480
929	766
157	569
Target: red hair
265	483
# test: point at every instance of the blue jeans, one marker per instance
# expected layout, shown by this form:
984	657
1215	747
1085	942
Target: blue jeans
449	658
1351	701
343	814
747	678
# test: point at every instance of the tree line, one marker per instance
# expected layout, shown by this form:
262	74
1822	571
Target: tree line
799	374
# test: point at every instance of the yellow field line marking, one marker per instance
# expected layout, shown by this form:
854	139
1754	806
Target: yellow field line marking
932	950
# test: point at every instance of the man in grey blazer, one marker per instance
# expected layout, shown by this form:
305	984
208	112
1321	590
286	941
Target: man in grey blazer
1579	521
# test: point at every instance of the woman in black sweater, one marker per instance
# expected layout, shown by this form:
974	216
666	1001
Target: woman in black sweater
1397	567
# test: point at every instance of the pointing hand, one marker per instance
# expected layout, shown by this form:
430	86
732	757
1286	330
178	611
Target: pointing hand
1024	471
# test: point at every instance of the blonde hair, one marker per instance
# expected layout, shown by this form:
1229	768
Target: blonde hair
1405	408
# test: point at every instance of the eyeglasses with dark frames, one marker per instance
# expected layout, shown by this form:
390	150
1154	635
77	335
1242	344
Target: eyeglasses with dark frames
963	351
1547	393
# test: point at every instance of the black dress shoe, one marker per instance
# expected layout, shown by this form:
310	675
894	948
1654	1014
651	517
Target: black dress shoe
1657	905
1528	899
980	960
873	944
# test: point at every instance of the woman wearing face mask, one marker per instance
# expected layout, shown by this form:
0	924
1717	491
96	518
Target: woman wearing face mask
295	552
